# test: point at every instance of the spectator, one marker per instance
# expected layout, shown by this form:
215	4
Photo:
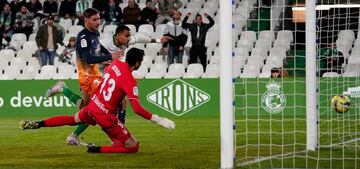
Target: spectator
112	13
50	7
174	30
24	21
6	23
15	6
279	72
148	14
61	30
47	38
81	5
69	54
35	7
132	13
331	60
333	64
2	4
198	32
99	5
68	9
166	7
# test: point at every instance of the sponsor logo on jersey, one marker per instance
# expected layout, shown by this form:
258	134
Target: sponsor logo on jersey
273	100
178	97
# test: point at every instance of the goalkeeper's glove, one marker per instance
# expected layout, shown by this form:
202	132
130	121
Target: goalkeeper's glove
163	121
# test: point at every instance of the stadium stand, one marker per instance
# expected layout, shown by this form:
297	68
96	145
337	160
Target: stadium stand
331	74
157	71
109	29
212	71
28	73
65	71
267	51
13	71
176	70
46	72
194	70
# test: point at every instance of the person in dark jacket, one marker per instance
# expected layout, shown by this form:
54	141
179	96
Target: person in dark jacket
148	14
6	24
68	9
46	39
132	13
2	4
198	31
112	13
15	5
24	21
34	6
165	10
50	7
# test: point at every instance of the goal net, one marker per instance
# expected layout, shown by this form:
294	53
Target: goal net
270	95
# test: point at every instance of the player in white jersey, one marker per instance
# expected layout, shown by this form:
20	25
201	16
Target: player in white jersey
119	42
123	38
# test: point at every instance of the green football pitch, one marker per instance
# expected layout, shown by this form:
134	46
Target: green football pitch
195	143
278	140
263	140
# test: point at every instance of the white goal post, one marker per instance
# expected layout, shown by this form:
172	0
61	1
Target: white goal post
311	102
308	132
226	86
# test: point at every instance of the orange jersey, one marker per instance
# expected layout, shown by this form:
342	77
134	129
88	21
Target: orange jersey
89	76
89	54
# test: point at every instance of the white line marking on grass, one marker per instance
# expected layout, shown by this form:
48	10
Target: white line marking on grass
260	159
338	144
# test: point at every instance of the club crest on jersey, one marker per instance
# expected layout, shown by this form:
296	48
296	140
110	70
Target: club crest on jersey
273	100
83	43
136	91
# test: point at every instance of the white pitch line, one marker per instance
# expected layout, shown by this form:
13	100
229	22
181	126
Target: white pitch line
292	153
338	144
268	158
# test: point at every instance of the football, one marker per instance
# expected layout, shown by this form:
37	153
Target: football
340	103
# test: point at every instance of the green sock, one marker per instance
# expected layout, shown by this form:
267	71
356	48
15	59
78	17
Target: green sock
74	98
80	128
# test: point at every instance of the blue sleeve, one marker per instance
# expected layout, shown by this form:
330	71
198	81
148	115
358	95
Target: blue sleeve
88	54
104	50
92	59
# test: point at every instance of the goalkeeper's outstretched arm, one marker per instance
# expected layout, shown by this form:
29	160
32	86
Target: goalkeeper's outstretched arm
138	109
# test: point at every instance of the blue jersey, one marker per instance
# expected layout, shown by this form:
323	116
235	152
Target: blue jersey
89	48
89	53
